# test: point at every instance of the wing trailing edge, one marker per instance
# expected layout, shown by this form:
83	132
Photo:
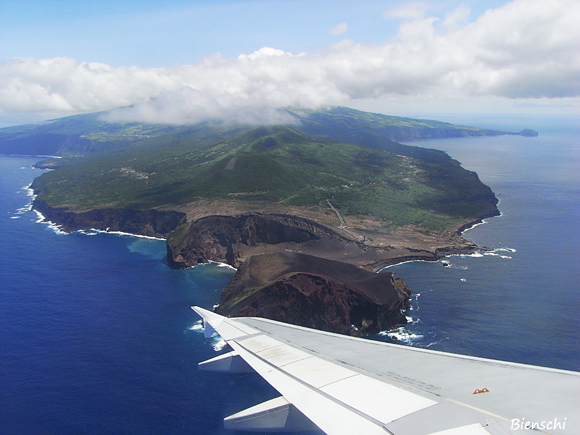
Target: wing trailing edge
229	362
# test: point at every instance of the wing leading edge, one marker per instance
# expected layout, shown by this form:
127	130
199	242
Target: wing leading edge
347	385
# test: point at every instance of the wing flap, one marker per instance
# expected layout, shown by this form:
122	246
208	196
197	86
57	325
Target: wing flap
227	363
377	399
317	372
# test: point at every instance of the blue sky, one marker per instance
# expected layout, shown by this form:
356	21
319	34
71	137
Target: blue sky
156	34
209	57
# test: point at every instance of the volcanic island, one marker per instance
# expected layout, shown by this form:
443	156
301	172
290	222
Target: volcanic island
307	212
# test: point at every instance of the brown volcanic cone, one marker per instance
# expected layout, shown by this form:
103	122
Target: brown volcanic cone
317	293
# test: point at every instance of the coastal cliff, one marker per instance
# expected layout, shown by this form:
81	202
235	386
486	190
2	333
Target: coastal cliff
316	293
152	223
295	270
232	239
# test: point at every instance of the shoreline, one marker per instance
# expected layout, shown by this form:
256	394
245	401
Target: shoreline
78	223
58	229
268	234
428	259
31	155
379	265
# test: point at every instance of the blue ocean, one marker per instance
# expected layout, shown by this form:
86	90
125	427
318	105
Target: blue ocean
97	335
521	300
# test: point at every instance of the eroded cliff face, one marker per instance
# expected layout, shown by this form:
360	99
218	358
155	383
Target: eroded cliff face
231	239
153	223
316	293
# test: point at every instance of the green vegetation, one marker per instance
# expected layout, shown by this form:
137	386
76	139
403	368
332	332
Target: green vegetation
275	165
83	135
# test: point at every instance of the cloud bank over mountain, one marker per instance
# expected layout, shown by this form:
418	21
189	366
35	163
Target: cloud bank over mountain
526	49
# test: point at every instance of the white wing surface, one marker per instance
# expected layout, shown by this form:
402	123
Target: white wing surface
347	385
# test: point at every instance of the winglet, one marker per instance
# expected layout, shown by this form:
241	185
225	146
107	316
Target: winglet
229	329
208	330
206	314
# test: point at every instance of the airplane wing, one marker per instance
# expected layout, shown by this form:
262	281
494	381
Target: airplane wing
347	385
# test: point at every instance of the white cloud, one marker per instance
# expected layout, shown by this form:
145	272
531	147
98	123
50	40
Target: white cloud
339	29
412	10
524	49
457	16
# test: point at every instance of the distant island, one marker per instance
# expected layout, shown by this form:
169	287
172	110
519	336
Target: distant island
304	209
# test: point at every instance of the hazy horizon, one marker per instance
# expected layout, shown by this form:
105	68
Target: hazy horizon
182	61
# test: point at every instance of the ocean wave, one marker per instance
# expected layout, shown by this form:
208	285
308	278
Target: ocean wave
505	250
476	254
122	233
494	254
91	231
40	219
220	264
436	342
28	206
415	301
508	257
404	262
87	232
412	320
57	229
450	265
483	221
24	209
403	335
218	343
197	326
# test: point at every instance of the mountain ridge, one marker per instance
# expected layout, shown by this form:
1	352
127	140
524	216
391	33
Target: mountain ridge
88	134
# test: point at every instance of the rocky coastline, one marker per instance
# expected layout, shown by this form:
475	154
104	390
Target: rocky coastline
289	268
152	223
232	239
296	270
